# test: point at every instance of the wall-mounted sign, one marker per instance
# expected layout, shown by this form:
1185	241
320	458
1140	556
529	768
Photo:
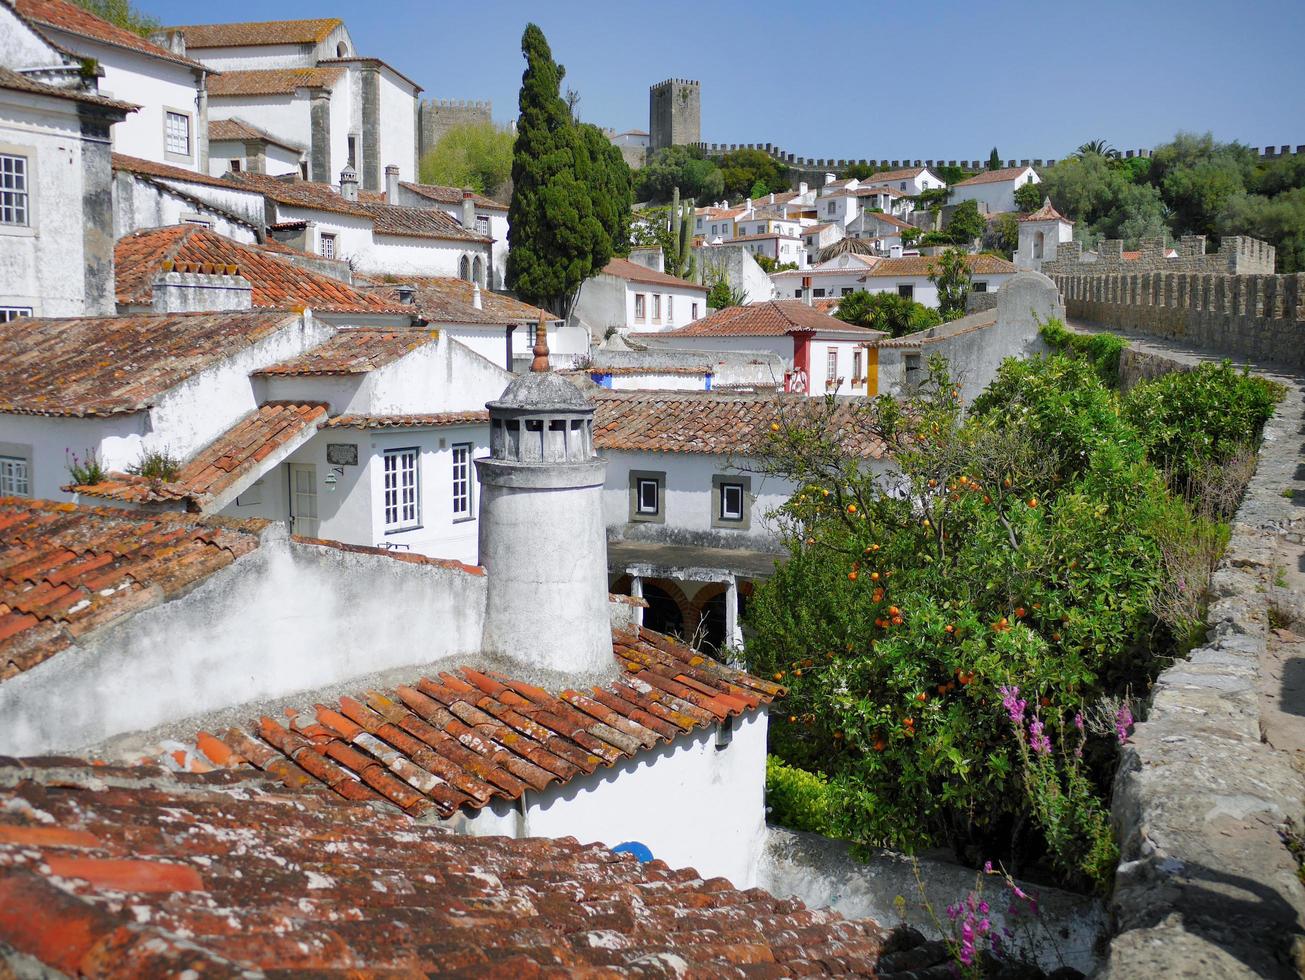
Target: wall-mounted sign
342	453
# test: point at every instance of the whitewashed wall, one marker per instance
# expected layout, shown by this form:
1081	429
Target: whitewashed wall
681	300
398	125
248	57
285	116
994	197
925	291
139	204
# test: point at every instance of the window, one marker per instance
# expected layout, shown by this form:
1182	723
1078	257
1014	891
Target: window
478	271
911	363
903	185
797	293
482	225
177	133
831	208
462	481
8	313
640	302
647	497
817	293
353	151
326	246
402	507
845	291
670	309
464	268
979	287
235	166
14	478
856	367
831	364
657	307
906	292
694	311
14	198
730	501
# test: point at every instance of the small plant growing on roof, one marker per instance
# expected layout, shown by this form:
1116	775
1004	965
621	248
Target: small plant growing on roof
156	464
85	470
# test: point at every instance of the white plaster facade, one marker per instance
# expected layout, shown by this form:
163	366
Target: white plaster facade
151	203
612	299
994	196
883	279
838	276
1039	239
488	221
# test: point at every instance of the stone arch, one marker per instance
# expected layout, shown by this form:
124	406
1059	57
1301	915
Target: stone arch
342	50
478	271
669	609
464	268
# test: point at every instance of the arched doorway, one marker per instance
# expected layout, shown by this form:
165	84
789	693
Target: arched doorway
663	614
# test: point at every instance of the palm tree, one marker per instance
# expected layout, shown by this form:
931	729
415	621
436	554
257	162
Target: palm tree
1100	148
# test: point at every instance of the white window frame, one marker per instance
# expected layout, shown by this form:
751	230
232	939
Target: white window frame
642	485
181	156
463	453
482	225
17	200
401	489
639	514
326	244
15	476
831	363
640	308
737	491
657	308
8	313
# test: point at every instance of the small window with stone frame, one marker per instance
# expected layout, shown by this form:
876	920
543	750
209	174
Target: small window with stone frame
8	313
15	190
731	499
15	477
647	497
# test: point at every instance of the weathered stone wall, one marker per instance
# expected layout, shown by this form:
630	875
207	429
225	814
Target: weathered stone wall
435	117
674	113
1259	317
1204	887
1237	255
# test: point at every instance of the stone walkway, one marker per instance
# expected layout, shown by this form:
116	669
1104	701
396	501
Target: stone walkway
1206	888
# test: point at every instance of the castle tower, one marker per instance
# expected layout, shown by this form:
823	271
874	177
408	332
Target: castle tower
674	113
542	538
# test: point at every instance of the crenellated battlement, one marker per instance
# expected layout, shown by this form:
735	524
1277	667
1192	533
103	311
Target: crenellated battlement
1237	255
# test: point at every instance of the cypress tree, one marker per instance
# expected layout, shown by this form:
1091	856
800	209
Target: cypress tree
557	237
994	161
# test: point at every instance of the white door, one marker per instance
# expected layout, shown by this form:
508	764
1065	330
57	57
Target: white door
303	499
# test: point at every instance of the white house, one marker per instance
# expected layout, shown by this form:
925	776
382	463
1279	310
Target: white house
837	276
236	145
821	355
816	237
56	219
769	221
376	233
486	216
779	248
909	276
148	194
907	180
994	190
170	89
304	81
1040	233
630	296
716	222
882	228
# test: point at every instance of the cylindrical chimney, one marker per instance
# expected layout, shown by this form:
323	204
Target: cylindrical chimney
468	211
391	183
349	184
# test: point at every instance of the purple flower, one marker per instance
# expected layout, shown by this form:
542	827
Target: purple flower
987	867
1010	699
1078	720
983	909
953	911
1123	723
1038	742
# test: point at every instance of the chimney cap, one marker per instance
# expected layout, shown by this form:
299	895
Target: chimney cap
392	168
467	194
540	363
348	174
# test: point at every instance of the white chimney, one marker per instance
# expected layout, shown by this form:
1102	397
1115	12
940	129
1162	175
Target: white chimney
349	183
772	197
392	183
802	187
894	251
468	211
829	178
475	296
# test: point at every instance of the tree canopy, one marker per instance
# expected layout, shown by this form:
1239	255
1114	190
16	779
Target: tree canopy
697	178
123	14
744	169
571	196
893	314
965	224
476	155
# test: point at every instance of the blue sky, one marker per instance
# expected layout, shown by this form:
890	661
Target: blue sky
859	79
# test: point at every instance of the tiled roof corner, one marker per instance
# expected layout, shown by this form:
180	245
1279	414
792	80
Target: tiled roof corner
74	19
67	570
271	81
356	350
258	33
634	272
772	318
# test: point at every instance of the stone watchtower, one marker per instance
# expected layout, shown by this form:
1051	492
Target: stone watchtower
542	540
674	113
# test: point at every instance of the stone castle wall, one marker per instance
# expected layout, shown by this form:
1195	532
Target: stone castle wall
435	117
1247	316
1237	255
674	113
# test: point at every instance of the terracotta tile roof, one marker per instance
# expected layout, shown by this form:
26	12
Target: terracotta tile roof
68	570
906	173
271	81
634	272
108	365
238	129
452	195
463	738
16	82
386	219
408	557
1046	213
877	191
277	283
428	421
993	176
923	265
832	267
887	219
138	872
442	299
687	422
357	350
69	17
225	462
774	234
772	318
149	168
257	33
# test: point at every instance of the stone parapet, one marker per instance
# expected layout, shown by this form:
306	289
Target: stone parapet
1256	317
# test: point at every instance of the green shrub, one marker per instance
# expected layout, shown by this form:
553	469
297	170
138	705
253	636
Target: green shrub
893	314
1101	350
797	799
156	464
1025	545
85	470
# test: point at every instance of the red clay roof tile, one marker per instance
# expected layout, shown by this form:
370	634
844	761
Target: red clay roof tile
443	299
634	272
356	350
271	81
773	318
324	885
257	33
428	421
75	19
65	569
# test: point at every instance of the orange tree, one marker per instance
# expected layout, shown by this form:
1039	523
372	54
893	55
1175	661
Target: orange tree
1013	547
